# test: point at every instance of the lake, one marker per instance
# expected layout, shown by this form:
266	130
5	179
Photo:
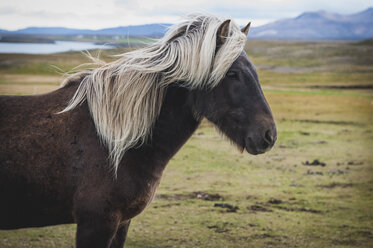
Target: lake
45	48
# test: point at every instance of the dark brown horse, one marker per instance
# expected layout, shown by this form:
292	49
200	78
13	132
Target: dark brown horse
59	168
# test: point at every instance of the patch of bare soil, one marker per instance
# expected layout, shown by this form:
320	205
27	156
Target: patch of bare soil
303	209
221	229
229	208
258	208
335	185
350	163
355	163
304	133
218	229
320	142
206	196
275	201
314	163
274	239
337	172
262	236
309	172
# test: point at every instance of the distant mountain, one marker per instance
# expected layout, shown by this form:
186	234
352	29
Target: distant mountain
319	25
139	30
53	31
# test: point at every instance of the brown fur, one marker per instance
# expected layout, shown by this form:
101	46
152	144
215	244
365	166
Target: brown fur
54	169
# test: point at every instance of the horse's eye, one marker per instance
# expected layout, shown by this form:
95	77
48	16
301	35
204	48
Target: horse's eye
232	74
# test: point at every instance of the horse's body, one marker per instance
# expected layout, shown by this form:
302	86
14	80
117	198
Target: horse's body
55	169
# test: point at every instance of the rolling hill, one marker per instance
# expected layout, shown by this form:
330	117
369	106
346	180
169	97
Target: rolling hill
139	30
319	25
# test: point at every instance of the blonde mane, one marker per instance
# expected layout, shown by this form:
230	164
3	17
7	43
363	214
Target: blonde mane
125	96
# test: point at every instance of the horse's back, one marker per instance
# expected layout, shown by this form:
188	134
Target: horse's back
28	125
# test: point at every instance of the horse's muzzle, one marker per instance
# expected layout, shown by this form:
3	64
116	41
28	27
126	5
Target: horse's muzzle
258	144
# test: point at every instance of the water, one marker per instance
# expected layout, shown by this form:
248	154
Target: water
45	48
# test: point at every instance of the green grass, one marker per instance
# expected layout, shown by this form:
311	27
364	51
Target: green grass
281	202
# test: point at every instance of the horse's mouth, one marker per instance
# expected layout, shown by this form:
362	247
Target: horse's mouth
252	148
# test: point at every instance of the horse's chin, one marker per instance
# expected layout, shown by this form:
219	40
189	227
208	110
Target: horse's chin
252	149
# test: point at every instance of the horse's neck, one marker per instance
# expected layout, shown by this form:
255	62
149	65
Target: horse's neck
175	124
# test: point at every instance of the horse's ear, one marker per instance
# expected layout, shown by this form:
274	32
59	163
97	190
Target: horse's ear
222	34
245	29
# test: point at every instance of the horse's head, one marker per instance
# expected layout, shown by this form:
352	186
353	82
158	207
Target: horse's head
238	107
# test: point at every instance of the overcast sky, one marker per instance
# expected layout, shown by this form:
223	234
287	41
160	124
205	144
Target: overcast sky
96	14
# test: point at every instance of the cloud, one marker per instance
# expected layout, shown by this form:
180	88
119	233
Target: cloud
95	14
6	10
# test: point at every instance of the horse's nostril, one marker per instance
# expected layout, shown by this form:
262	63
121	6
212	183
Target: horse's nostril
268	137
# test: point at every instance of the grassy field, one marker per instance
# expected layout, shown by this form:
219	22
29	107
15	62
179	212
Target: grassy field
322	97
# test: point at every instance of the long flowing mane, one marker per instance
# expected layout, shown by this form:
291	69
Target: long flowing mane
125	96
